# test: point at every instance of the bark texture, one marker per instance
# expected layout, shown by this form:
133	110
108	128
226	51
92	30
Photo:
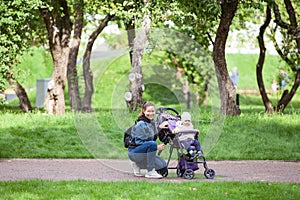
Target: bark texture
24	102
87	73
292	29
58	26
72	74
260	64
136	76
226	89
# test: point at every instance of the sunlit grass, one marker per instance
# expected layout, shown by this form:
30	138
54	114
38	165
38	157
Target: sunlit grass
38	189
252	135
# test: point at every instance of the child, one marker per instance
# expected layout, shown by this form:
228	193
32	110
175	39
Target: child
186	124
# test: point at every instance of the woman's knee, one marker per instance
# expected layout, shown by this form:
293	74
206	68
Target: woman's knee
152	146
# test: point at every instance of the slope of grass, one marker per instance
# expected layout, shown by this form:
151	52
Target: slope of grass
246	65
253	135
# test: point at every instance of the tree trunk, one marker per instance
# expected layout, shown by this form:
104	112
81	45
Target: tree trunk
130	35
72	75
292	29
87	74
55	99
21	94
136	76
226	88
287	96
59	33
260	64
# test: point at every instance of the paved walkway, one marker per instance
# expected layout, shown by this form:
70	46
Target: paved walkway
118	170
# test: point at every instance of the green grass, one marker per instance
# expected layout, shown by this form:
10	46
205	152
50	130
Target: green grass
249	136
246	65
252	135
36	64
259	137
38	189
39	136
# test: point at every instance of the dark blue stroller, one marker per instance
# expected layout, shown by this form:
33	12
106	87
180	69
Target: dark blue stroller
187	164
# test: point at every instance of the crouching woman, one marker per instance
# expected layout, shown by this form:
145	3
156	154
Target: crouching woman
143	148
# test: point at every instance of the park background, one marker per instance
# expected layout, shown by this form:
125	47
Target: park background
254	135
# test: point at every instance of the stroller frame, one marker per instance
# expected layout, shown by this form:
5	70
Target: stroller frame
186	164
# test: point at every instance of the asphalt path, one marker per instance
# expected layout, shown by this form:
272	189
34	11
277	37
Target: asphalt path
120	170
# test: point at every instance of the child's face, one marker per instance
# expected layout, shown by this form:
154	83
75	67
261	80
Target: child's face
186	123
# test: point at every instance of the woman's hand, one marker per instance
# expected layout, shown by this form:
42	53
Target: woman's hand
164	125
161	147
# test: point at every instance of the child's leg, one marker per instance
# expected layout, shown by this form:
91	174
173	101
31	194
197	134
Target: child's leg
186	145
197	145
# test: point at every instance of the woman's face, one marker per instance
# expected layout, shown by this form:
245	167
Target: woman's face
149	112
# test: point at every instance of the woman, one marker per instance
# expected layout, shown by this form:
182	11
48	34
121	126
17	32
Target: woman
142	149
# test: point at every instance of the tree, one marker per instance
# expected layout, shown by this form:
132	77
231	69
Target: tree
136	81
287	51
58	17
72	74
109	9
58	23
259	66
14	40
202	18
87	74
227	90
290	50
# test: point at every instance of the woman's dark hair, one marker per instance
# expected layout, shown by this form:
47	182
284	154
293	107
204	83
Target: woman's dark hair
144	107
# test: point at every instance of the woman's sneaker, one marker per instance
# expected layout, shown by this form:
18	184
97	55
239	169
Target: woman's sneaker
153	174
136	169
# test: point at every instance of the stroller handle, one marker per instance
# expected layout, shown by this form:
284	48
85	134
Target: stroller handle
161	110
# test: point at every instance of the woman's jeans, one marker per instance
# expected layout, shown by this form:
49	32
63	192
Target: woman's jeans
145	156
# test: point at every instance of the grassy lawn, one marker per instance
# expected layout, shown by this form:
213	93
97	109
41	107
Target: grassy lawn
246	65
38	189
252	135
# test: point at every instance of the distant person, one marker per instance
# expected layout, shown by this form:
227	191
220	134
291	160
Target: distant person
283	78
274	86
234	76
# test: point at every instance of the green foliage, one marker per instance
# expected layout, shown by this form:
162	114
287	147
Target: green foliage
80	189
15	18
116	41
36	63
287	20
198	19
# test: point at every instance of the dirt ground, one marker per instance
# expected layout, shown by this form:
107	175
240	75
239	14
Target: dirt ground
120	170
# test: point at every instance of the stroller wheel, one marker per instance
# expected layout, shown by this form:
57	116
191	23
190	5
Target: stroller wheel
179	172
189	174
209	173
165	173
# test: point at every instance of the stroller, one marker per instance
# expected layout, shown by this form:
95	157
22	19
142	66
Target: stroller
187	164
